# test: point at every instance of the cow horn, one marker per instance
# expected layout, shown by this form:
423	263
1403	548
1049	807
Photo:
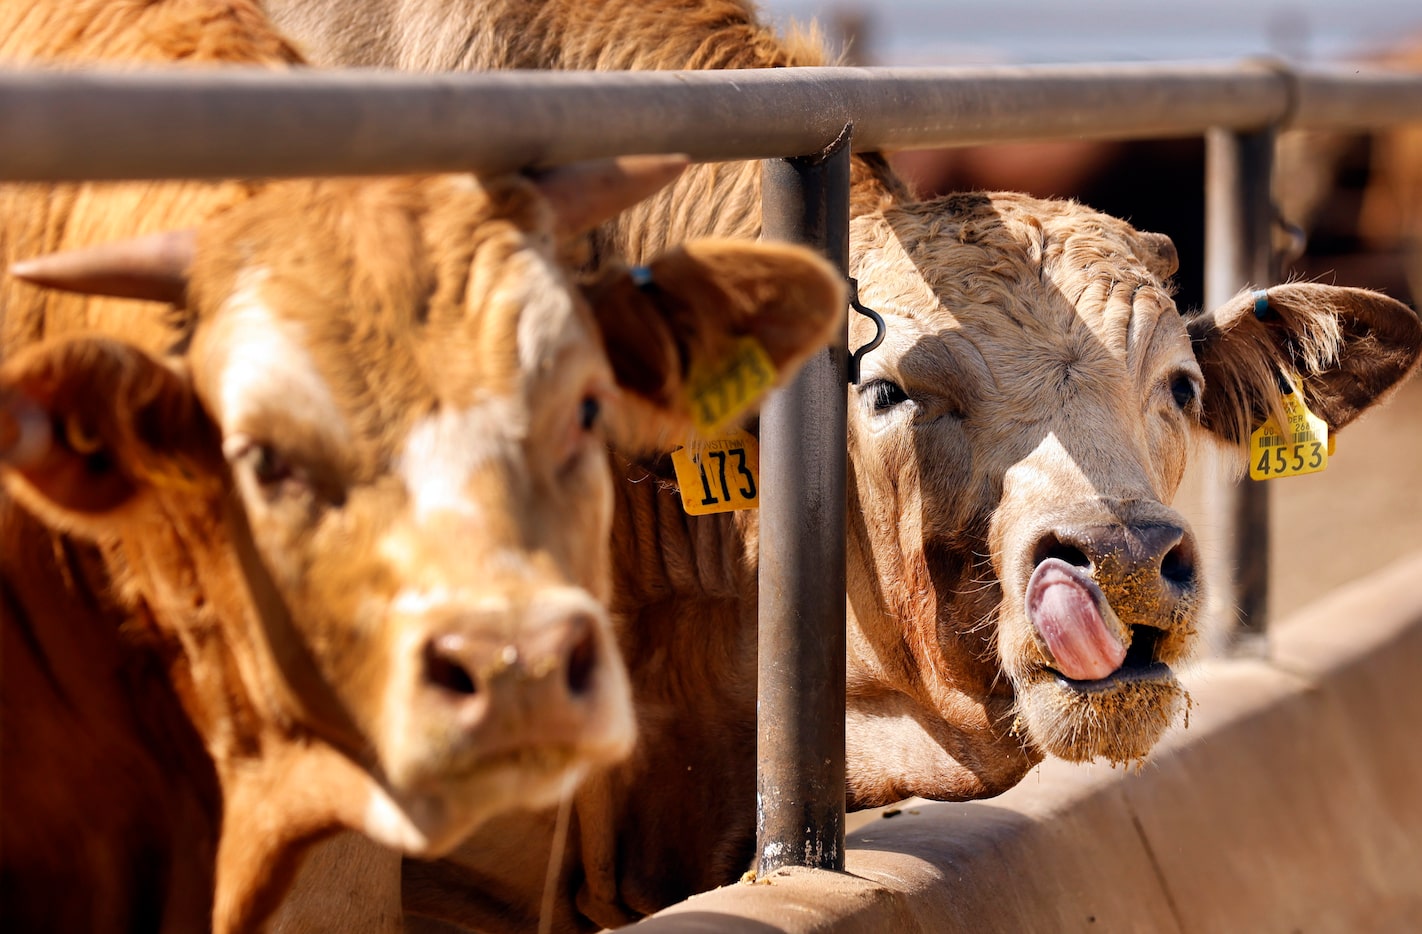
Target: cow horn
154	267
585	194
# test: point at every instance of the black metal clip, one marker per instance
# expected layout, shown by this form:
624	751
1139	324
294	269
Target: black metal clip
871	314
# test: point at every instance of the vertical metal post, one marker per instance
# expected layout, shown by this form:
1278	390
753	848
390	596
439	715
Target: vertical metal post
800	800
1238	252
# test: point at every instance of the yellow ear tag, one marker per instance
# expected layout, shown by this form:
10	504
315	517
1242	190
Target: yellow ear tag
720	475
721	391
1303	449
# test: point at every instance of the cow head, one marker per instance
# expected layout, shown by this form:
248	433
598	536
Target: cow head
377	478
1018	581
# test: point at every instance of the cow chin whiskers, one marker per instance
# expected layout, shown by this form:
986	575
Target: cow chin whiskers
1120	723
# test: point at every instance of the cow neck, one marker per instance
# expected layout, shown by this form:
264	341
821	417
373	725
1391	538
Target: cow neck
660	553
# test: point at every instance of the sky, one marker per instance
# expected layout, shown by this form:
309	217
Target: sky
941	32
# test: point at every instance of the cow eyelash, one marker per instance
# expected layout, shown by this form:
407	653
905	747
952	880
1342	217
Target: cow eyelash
884	394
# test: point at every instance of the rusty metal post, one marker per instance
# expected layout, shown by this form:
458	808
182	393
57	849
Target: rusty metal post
1239	252
800	794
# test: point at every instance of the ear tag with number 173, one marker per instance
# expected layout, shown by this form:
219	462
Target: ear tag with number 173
720	475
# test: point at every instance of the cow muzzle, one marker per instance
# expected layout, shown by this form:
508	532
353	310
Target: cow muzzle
537	684
1109	606
508	704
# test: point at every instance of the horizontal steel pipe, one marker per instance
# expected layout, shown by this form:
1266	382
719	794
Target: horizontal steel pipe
1344	98
209	124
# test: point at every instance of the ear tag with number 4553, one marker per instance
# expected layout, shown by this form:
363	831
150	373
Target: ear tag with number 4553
1302	448
720	475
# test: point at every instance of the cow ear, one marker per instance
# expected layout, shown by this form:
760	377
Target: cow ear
693	311
1349	347
88	425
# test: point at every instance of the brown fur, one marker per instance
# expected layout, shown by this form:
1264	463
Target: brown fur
87	705
47	218
272	522
1041	356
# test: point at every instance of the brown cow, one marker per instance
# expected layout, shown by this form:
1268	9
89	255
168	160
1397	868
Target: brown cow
343	563
1018	584
396	625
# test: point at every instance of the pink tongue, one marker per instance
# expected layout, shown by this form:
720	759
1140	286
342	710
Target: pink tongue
1064	613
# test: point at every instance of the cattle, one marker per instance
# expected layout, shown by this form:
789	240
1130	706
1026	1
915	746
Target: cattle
1018	584
324	545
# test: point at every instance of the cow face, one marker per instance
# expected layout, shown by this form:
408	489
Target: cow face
1018	581
409	402
410	398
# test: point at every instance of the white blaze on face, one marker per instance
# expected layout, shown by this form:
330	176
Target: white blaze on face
444	451
547	321
266	367
1048	475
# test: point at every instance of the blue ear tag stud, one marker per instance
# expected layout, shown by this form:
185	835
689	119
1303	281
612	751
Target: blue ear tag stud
1261	304
641	276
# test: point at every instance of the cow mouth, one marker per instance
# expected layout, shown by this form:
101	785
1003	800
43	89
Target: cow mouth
1100	686
534	762
1140	665
1119	716
1087	648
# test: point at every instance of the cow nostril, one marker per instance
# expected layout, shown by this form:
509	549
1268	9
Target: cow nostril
582	663
445	671
1053	547
1178	566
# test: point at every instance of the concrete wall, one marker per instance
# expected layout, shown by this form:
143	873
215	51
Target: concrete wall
1293	802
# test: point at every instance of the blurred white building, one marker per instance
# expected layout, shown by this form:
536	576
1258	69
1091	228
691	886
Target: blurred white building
923	32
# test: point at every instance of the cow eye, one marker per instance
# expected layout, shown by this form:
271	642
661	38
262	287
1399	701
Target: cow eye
589	412
1182	388
885	394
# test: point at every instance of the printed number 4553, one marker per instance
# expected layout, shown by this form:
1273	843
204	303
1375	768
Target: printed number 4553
1291	459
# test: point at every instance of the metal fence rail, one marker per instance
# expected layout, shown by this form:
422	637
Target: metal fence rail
58	126
242	122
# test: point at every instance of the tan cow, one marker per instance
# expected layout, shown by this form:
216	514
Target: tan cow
358	528
1018	583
